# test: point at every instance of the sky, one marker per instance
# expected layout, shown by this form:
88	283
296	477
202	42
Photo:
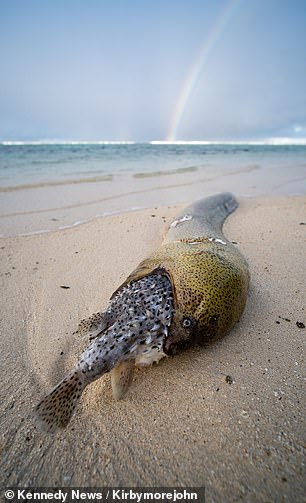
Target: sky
152	70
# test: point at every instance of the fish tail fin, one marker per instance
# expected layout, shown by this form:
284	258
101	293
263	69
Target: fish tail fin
55	410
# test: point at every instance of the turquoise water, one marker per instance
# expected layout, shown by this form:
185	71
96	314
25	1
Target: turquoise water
46	187
29	164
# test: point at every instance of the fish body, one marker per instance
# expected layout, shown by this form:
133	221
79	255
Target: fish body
132	332
191	290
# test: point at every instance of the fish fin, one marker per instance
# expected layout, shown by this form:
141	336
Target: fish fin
55	410
121	378
94	325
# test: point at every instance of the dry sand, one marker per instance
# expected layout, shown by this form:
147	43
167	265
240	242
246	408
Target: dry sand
182	423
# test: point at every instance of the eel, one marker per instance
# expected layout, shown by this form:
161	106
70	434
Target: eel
208	274
189	291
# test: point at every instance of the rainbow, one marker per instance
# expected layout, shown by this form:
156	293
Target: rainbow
197	67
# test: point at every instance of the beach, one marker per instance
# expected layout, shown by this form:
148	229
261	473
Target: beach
47	187
116	118
228	417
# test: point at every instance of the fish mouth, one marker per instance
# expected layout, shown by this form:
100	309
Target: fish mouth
174	348
197	334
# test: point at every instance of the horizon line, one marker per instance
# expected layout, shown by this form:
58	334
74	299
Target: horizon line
267	141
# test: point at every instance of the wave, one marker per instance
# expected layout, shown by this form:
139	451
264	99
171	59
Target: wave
37	185
165	172
65	142
269	142
109	178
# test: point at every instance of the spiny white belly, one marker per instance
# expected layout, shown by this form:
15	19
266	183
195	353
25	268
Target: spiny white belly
145	359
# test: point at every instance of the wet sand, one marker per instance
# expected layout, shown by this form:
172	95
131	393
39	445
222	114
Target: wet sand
229	417
50	206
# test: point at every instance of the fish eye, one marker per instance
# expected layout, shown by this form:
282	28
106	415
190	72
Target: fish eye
187	322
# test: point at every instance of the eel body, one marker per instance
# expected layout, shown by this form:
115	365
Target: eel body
208	274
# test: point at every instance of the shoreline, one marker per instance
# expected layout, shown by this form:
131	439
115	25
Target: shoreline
61	205
181	423
123	211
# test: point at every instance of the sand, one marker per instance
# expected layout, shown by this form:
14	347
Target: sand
182	423
60	204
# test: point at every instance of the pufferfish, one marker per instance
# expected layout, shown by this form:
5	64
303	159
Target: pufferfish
190	291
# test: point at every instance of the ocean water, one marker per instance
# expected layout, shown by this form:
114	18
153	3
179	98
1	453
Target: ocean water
36	164
46	187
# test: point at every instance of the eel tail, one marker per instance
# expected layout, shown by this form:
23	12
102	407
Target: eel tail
203	218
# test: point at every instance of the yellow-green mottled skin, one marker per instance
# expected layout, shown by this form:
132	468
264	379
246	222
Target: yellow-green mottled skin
209	276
